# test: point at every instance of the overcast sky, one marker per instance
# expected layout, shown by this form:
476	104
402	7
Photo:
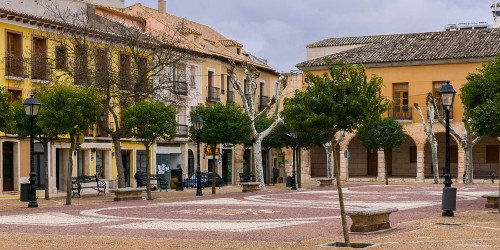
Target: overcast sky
279	30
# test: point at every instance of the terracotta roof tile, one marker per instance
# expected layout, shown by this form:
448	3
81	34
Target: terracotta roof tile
481	43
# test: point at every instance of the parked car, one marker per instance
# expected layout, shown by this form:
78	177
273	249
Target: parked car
206	180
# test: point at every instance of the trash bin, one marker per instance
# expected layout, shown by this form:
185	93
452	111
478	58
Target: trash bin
25	191
288	181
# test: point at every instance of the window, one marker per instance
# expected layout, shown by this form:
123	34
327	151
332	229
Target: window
453	154
39	60
15	95
492	154
210	79
222	83
61	57
14	65
413	154
102	65
436	87
99	164
400	96
262	86
81	65
192	72
124	72
142	77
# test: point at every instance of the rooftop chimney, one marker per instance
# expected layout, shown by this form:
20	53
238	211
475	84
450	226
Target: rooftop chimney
162	6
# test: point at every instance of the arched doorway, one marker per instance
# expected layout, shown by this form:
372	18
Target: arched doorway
486	154
190	162
441	151
363	161
318	162
404	159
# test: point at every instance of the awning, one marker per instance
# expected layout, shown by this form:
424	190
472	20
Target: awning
96	145
168	150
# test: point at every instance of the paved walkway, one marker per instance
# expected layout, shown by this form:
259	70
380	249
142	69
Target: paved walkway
278	218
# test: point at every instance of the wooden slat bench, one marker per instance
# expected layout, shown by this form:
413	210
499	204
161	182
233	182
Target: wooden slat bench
250	186
324	182
491	200
483	174
124	194
370	219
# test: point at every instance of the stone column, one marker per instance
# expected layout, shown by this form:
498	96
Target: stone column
420	164
306	166
460	164
381	165
238	152
344	162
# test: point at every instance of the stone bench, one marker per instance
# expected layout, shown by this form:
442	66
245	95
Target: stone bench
491	200
250	186
126	194
326	182
370	219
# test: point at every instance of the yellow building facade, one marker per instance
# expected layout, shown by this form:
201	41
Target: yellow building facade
411	66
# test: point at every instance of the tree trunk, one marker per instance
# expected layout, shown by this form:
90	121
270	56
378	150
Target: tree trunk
148	174
341	197
69	174
214	169
386	165
259	171
119	162
469	161
435	163
329	159
46	167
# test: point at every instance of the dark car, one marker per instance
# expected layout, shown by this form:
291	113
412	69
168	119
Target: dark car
206	180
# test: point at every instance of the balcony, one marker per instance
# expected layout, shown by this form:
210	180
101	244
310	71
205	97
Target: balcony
213	94
40	69
180	88
401	113
230	96
264	102
16	67
182	130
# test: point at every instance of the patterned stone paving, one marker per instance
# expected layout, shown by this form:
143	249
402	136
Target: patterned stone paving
310	212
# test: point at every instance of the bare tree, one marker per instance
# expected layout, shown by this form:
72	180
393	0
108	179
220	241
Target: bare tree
429	131
467	141
247	94
125	60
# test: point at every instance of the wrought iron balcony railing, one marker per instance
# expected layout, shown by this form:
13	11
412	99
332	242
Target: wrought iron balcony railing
182	130
401	113
16	66
264	101
213	94
40	69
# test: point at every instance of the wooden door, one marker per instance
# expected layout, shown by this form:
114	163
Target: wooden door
8	166
372	162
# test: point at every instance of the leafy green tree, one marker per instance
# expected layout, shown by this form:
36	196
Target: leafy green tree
148	122
383	133
21	126
338	101
5	114
222	124
68	110
481	97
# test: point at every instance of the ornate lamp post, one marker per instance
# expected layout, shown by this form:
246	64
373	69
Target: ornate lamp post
198	125
447	94
31	106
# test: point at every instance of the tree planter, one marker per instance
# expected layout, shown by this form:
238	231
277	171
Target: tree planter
326	182
127	194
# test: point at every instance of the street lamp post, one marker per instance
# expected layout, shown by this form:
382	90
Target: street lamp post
447	94
198	125
31	106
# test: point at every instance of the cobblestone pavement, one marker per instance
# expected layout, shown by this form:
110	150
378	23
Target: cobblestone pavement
275	218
